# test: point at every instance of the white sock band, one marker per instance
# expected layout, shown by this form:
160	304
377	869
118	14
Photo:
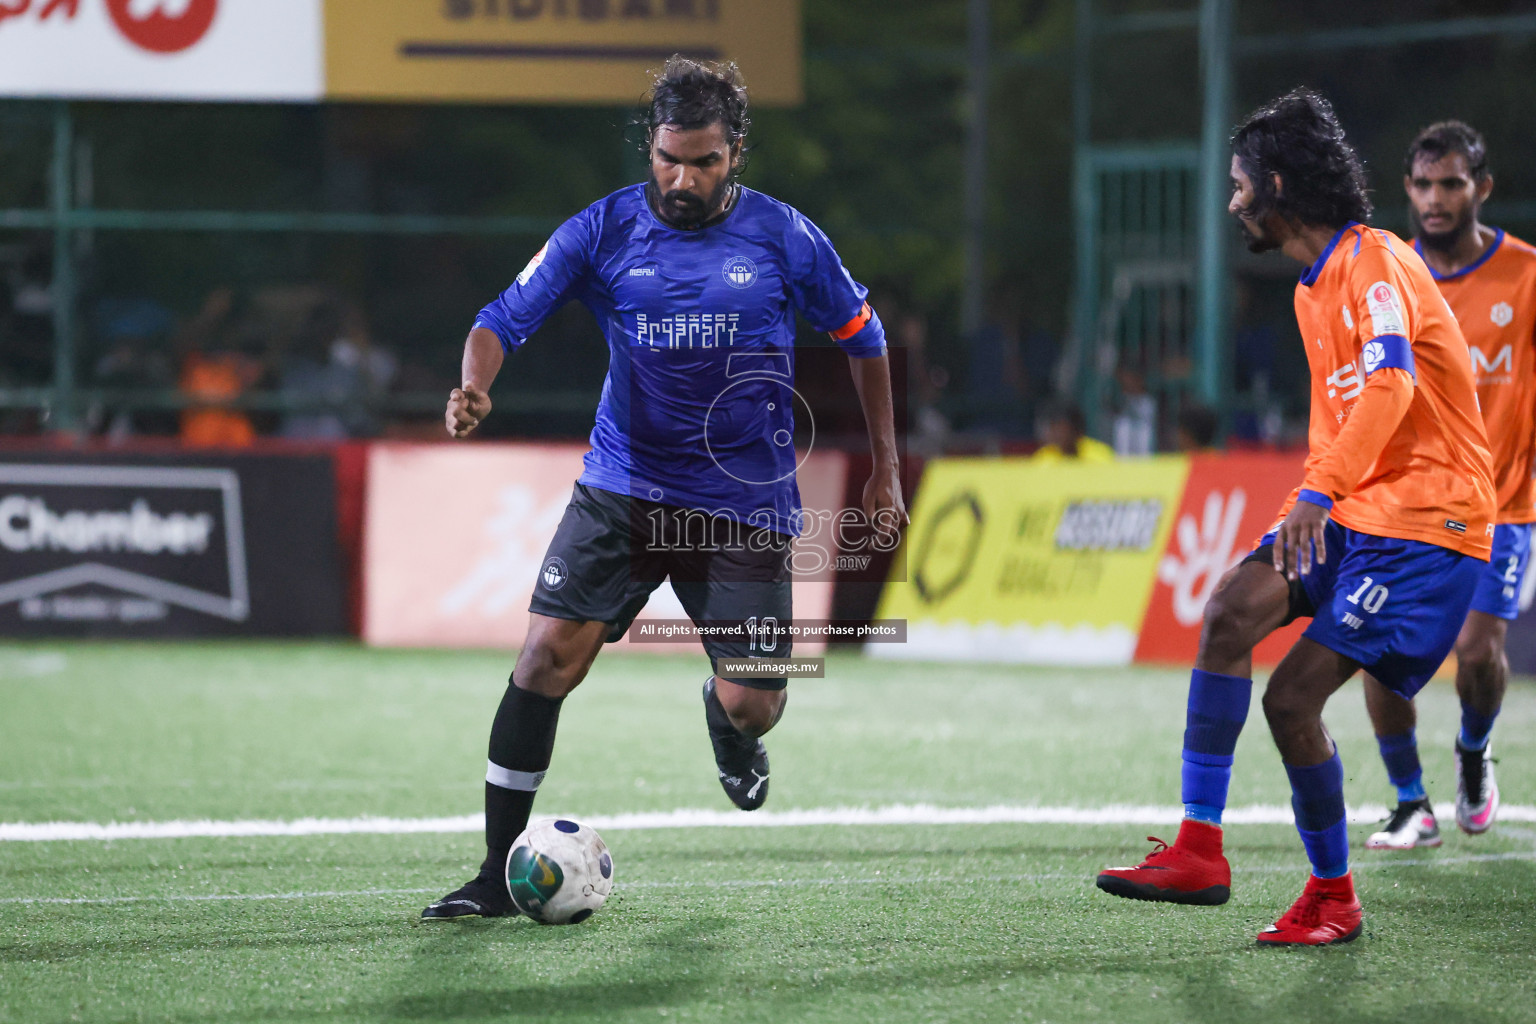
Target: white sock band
506	778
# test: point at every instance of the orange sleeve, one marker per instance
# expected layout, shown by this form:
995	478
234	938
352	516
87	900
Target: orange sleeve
1371	424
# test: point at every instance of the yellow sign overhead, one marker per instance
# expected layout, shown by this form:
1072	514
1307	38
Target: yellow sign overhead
551	51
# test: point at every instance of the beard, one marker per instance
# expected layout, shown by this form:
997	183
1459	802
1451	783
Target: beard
1254	236
1442	241
686	210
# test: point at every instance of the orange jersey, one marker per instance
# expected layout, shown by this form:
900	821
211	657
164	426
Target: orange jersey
1494	300
1416	466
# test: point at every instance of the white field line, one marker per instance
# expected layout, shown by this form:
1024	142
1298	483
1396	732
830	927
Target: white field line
1387	862
909	814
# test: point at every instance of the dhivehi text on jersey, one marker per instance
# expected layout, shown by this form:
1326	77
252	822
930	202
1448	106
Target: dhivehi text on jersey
687	330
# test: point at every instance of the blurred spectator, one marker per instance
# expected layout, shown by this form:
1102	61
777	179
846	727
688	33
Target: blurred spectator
335	375
1064	432
214	373
929	427
26	317
1135	425
135	336
995	370
1196	431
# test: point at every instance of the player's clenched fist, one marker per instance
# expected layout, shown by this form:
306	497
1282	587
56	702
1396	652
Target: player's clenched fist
467	406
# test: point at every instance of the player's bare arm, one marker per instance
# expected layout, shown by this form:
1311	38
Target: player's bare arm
471	402
883	503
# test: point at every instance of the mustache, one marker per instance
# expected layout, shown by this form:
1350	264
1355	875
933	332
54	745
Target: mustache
678	197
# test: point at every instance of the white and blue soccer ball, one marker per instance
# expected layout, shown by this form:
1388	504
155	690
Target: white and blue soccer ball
559	871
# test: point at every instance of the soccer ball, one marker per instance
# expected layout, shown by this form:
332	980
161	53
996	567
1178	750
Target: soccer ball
559	871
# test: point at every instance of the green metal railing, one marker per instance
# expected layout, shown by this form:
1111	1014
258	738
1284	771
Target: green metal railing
1097	303
65	399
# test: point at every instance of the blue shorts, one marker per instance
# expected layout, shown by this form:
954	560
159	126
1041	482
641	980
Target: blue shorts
1498	588
1395	606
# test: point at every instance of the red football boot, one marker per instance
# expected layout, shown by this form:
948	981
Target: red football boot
1192	870
1327	912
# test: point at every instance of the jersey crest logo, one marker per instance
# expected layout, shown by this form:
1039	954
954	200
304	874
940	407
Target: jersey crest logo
739	272
554	574
1502	313
1386	309
533	264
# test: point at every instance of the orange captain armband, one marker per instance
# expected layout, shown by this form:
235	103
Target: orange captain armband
854	326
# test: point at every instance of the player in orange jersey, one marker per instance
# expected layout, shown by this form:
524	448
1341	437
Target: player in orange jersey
1489	279
1381	545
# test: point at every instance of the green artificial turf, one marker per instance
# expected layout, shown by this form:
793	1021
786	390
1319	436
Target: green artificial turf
831	923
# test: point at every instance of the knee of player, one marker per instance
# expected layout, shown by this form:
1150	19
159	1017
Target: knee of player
756	711
1227	621
1477	652
1282	706
541	670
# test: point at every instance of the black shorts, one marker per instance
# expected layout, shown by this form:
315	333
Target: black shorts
611	551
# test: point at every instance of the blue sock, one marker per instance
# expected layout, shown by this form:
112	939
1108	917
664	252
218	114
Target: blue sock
1400	754
1475	727
1218	706
1317	797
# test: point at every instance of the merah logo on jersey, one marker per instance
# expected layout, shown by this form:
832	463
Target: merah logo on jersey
1502	314
533	265
1386	309
739	272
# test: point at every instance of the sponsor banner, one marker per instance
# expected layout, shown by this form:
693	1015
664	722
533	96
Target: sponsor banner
551	51
488	51
1013	560
456	536
174	546
1229	503
161	49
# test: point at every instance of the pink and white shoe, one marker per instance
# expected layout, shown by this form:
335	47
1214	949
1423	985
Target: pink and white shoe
1477	792
1412	825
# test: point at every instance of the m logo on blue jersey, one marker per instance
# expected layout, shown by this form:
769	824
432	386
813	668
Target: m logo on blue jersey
739	272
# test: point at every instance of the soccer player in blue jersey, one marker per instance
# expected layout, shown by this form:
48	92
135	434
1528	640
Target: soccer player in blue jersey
695	282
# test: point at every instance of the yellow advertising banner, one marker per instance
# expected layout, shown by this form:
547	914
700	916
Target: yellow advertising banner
1014	560
551	51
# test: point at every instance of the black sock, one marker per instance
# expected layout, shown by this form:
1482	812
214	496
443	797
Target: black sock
522	740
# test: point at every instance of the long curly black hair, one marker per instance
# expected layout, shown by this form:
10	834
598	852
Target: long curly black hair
1299	138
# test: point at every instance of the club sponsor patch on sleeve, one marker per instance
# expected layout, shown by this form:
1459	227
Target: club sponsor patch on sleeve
533	265
1386	309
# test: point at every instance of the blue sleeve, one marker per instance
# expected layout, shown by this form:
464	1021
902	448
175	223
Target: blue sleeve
825	294
556	275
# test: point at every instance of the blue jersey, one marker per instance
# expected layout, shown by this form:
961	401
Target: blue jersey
698	409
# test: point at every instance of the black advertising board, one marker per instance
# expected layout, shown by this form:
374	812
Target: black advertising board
165	546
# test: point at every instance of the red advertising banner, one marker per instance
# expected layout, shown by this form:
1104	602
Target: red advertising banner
456	534
1229	501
